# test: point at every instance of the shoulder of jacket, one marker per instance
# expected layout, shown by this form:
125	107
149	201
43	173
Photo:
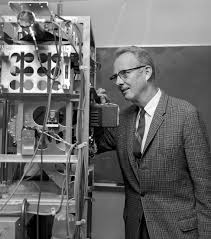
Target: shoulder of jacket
181	104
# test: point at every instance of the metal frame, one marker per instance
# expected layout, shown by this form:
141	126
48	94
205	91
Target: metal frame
48	205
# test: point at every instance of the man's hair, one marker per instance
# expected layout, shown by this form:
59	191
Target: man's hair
141	54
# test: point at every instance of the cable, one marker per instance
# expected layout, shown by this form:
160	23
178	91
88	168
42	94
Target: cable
80	187
39	141
81	178
62	198
67	193
67	190
50	213
80	191
37	214
45	122
68	37
82	166
55	76
24	174
57	138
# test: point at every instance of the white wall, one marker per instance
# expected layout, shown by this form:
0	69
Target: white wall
143	22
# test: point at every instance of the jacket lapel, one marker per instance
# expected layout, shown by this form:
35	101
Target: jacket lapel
155	124
156	121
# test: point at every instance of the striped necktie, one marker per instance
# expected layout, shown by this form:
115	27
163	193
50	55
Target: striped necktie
139	135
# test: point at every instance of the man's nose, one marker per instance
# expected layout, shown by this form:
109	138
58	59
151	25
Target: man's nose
119	80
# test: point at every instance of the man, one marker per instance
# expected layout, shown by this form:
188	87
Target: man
166	167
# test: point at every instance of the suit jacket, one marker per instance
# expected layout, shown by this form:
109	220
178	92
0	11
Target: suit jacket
171	186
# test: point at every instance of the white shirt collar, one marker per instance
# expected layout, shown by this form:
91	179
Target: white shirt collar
152	104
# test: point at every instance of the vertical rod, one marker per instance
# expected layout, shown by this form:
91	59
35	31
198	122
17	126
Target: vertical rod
60	8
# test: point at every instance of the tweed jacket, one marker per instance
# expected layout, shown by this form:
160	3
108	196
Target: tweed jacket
171	186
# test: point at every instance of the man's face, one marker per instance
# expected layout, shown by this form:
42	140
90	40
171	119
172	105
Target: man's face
135	81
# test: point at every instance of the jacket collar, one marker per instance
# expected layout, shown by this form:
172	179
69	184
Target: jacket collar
157	120
155	124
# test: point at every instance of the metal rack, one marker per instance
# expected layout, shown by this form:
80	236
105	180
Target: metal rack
25	87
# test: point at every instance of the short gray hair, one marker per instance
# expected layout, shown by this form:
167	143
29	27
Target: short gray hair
141	54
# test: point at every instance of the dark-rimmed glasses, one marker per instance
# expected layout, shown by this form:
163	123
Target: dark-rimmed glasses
123	74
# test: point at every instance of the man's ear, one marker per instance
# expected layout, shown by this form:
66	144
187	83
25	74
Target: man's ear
148	72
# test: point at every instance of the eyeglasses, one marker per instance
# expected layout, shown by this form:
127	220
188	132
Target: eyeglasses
123	74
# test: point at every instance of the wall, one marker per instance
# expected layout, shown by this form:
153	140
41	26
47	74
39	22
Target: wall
107	220
181	71
142	22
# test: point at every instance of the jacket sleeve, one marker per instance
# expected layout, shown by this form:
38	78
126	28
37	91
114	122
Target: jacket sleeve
198	156
105	139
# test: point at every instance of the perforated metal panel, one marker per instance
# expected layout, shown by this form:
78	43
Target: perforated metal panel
23	73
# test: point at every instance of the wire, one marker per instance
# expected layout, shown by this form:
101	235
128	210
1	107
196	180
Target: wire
45	213
41	136
45	121
82	166
55	76
81	178
57	138
67	190
37	214
68	37
62	198
46	117
80	187
79	192
24	174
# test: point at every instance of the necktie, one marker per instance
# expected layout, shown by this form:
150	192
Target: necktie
139	135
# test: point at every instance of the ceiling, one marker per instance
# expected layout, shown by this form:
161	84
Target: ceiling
6	1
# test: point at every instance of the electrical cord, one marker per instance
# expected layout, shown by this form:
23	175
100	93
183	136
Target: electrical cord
22	178
57	138
67	193
39	141
37	214
81	178
68	37
82	165
69	153
50	213
55	76
80	188
66	22
24	174
45	121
